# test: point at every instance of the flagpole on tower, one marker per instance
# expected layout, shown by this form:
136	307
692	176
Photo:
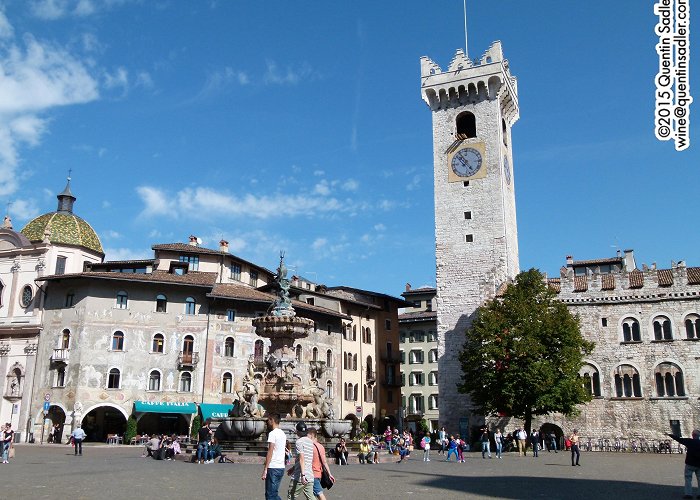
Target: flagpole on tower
466	43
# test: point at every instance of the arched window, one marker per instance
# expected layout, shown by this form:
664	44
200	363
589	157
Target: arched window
161	303
590	379
504	131
298	353
113	379
187	356
354	362
190	306
118	341
227	383
122	300
25	299
228	347
2	287
65	339
314	354
259	351
185	382
669	380
329	358
354	392
630	330
692	326
627	383
369	335
354	332
158	343
154	381
466	124
662	328
369	367
329	389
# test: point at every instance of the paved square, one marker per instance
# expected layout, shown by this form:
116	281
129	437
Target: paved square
120	472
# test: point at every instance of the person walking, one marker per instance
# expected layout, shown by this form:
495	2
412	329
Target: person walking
78	436
319	462
452	448
302	484
388	434
575	453
535	440
442	439
522	442
692	461
553	442
485	443
273	470
425	443
498	438
7	436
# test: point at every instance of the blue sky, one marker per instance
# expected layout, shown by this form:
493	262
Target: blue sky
300	126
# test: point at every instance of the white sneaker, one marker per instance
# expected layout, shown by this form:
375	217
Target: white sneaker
428	460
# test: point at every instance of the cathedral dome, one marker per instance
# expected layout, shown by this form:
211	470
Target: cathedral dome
63	227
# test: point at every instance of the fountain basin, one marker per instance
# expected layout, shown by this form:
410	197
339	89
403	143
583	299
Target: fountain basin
336	428
282	326
244	427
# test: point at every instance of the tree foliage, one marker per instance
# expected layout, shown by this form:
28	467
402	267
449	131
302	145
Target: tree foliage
196	425
523	353
130	429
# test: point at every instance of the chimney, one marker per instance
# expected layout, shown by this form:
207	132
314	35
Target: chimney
569	260
619	254
629	263
223	246
193	241
408	287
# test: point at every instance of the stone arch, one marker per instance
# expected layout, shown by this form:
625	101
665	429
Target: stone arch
591	374
15	381
669	379
622	370
494	86
98	423
625	318
692	315
654	317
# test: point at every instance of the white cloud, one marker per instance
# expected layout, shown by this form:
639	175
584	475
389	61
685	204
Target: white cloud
322	188
6	29
118	79
288	76
387	204
414	184
23	210
33	79
143	79
319	243
156	202
126	254
51	10
379	227
319	173
111	234
350	185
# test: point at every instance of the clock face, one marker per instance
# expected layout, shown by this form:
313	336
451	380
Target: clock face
506	169
466	162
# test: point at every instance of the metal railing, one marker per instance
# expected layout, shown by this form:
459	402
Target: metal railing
632	445
188	358
60	355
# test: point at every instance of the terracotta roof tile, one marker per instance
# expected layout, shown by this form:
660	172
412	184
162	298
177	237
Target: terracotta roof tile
418	315
240	292
694	275
607	282
636	278
580	283
192	278
554	284
665	277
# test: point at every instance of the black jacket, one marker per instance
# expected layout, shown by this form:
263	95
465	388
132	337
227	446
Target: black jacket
692	456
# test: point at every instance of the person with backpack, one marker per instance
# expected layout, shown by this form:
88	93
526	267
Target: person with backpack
425	444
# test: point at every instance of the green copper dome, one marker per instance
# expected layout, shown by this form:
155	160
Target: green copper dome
63	228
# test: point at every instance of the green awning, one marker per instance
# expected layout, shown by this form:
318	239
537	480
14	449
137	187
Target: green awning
211	410
162	407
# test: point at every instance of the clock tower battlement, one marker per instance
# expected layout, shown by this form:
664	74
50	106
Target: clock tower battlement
473	106
467	81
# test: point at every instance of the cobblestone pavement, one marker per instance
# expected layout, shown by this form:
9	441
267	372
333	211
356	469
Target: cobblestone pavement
119	472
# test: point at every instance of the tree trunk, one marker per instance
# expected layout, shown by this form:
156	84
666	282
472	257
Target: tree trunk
528	421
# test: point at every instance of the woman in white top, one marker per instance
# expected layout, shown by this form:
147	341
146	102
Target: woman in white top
498	437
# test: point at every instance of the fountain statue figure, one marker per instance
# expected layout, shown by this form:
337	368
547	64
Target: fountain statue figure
282	306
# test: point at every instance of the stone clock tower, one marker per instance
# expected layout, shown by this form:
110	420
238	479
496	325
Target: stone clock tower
474	105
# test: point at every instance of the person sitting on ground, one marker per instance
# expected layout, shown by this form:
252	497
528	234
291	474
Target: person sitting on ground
402	446
364	451
152	446
214	451
341	453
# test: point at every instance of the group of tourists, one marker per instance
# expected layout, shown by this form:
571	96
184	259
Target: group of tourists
208	448
310	473
163	447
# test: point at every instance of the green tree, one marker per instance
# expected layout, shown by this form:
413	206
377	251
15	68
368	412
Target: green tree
130	429
523	353
196	425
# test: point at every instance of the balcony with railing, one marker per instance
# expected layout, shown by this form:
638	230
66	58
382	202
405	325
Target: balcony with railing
60	356
391	357
187	359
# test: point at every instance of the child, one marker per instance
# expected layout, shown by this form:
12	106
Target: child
425	444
